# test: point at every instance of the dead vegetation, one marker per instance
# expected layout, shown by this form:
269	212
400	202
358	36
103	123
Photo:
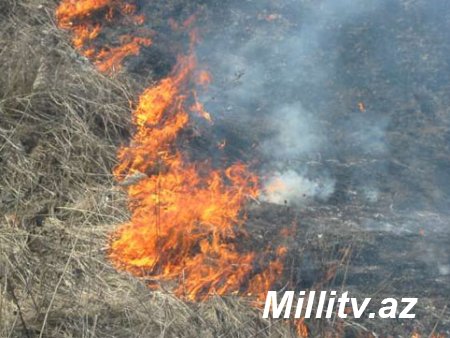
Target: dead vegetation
60	125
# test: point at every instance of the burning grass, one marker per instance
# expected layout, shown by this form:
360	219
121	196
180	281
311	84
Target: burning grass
186	214
61	123
86	19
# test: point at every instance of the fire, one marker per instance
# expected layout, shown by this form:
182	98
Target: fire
204	78
301	328
186	229
87	19
416	334
198	108
186	216
276	185
111	58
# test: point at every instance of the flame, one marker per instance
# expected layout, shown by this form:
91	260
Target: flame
110	59
187	221
186	216
85	19
300	328
276	185
198	108
416	334
204	78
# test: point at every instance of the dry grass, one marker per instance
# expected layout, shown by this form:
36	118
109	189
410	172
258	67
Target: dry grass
60	125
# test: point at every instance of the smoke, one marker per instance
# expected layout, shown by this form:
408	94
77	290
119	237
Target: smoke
346	91
296	133
342	102
275	76
296	136
290	186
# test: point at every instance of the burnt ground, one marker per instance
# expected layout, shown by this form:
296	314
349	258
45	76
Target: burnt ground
385	227
331	251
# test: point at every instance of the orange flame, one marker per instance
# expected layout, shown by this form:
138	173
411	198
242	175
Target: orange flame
204	78
301	328
416	334
187	224
186	216
85	19
110	59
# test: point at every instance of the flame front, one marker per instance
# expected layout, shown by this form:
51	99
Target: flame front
87	19
186	228
186	216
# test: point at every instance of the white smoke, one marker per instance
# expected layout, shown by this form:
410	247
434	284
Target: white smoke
296	133
296	136
293	188
271	82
